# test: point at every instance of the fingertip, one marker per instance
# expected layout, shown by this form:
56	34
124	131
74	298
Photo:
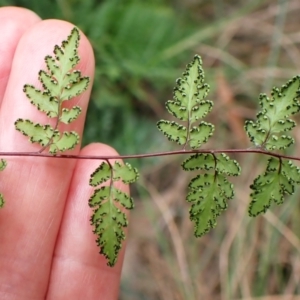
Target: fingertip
18	14
14	22
98	149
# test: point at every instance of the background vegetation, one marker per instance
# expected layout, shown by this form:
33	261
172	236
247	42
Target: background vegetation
141	47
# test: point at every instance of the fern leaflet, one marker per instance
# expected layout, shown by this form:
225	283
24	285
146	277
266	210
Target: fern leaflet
209	192
269	130
189	105
61	83
107	203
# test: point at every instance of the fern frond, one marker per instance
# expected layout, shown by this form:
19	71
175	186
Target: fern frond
60	83
209	192
279	179
108	218
189	105
272	123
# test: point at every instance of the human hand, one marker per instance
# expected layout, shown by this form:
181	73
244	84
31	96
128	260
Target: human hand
47	248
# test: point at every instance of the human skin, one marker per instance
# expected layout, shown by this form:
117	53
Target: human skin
47	247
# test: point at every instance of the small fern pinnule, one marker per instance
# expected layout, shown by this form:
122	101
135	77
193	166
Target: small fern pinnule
209	192
107	202
3	165
61	82
269	131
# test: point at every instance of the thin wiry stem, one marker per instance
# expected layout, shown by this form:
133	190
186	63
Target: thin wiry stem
147	155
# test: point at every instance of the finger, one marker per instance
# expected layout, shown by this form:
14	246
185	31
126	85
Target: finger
77	259
14	22
35	189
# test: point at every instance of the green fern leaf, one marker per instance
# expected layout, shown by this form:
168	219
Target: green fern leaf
36	132
177	110
200	110
209	192
256	134
124	199
199	161
76	88
283	125
42	100
279	142
101	174
50	84
67	54
126	173
64	141
71	77
222	163
107	217
200	135
60	82
189	105
279	179
53	67
290	171
273	119
191	88
209	195
69	115
227	166
267	188
173	131
99	196
109	221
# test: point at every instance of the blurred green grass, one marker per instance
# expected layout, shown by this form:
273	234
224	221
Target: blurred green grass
140	49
